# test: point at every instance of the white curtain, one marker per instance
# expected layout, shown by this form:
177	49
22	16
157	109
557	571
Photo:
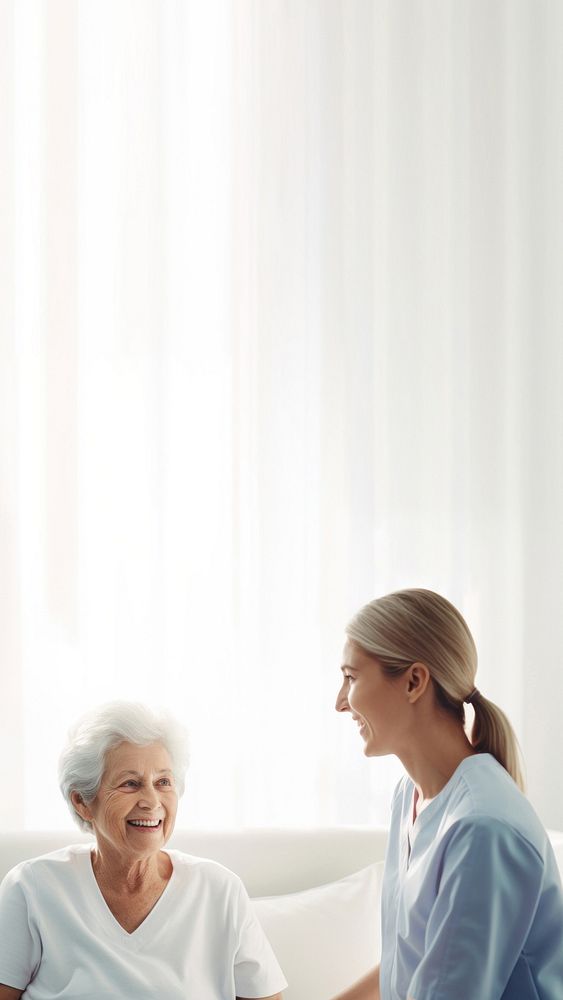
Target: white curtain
282	330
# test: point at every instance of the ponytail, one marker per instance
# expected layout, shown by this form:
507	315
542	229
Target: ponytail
492	733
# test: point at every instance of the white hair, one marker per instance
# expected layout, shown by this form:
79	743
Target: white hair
82	761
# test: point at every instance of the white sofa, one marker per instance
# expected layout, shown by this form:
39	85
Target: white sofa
316	892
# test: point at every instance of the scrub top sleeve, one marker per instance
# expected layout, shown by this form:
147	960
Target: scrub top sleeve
256	969
20	946
487	897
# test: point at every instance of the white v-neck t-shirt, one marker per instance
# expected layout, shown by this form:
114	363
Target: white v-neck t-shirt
201	940
472	904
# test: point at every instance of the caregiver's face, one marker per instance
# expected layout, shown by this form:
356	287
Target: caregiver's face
373	699
135	808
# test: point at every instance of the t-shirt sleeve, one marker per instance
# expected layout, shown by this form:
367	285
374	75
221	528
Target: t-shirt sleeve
256	972
487	897
20	946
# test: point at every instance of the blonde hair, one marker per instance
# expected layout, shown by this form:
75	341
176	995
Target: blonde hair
419	625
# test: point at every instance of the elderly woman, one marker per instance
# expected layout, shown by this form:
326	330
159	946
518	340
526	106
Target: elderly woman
125	917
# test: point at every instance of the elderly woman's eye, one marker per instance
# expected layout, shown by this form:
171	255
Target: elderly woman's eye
165	781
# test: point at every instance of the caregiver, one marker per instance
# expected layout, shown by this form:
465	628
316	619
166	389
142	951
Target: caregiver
472	905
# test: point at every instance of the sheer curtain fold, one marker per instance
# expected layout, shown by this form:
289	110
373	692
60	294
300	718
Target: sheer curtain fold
281	331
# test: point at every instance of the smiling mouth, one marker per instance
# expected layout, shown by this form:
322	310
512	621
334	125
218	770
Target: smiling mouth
144	824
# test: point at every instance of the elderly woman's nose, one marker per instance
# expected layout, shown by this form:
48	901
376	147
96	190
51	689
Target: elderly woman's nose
149	796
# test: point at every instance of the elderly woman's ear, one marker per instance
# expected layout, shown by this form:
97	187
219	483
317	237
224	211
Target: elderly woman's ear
80	806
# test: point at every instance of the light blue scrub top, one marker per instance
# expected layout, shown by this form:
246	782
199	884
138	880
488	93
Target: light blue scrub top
472	904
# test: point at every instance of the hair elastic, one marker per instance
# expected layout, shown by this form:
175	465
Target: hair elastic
471	696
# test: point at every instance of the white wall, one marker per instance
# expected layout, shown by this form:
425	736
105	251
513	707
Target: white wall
281	331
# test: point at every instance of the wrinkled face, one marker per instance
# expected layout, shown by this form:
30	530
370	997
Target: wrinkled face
375	701
135	809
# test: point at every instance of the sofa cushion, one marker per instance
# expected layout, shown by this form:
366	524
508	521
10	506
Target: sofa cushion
325	938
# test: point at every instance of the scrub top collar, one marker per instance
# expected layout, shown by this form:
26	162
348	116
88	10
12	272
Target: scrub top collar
425	815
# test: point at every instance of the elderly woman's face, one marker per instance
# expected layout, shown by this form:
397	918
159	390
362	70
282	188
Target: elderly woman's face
135	808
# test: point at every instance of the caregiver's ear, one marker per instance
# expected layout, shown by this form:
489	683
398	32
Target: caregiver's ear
417	681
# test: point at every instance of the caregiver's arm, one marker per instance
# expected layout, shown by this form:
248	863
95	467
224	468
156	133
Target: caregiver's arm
490	883
9	993
366	988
